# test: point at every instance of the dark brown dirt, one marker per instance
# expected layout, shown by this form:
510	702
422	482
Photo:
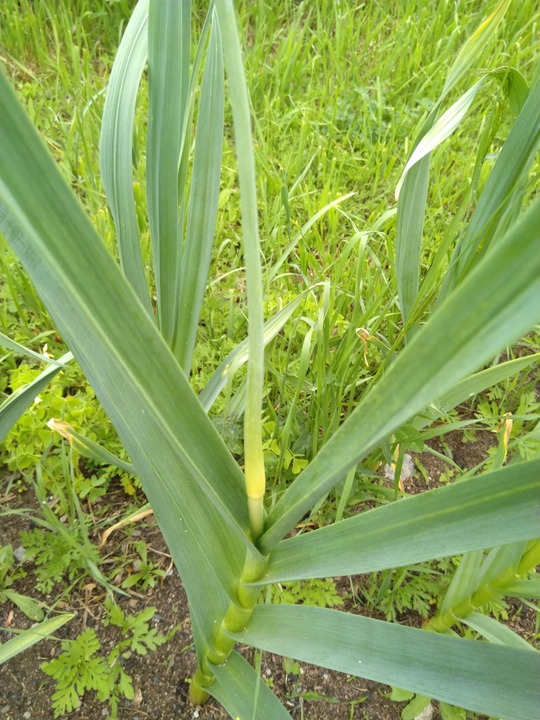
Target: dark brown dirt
160	678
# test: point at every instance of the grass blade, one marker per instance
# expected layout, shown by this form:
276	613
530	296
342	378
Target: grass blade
87	447
19	401
475	45
33	635
237	357
9	344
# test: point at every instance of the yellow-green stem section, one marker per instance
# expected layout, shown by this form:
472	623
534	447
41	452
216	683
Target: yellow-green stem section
256	515
530	559
486	593
235	619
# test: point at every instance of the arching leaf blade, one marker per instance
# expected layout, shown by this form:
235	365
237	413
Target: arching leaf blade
494	509
116	147
243	693
491	679
192	482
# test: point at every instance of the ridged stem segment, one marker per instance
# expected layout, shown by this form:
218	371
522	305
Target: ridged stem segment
235	619
488	592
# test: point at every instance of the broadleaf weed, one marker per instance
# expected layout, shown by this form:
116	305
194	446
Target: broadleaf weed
77	670
145	572
319	592
58	557
81	667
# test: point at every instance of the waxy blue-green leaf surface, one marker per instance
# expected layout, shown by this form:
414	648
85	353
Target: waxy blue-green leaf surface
478	676
495	509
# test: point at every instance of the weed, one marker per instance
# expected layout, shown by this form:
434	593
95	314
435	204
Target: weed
145	572
320	592
417	704
418	588
81	667
31	443
57	558
60	546
9	573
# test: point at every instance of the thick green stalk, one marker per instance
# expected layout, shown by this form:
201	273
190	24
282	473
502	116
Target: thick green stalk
234	620
486	593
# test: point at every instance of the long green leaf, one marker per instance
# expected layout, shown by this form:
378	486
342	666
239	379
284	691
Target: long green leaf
525	588
494	631
475	45
495	509
125	359
409	231
104	320
116	146
12	408
512	164
497	681
474	384
441	129
33	635
169	40
87	447
464	581
203	201
243	693
500	300
9	344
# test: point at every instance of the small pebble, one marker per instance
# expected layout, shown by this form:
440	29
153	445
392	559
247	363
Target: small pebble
407	469
426	714
27	715
19	553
